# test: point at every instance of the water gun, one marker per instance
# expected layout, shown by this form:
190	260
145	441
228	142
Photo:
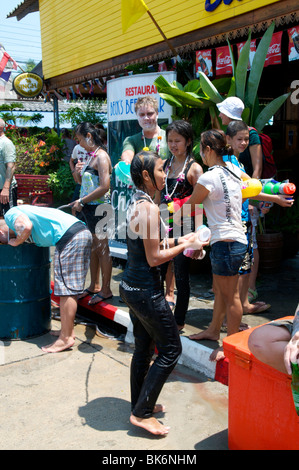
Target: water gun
204	234
251	187
176	204
271	186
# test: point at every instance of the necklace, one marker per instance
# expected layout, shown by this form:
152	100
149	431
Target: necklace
165	227
179	179
91	156
159	138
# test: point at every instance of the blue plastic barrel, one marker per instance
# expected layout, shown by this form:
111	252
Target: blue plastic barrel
25	295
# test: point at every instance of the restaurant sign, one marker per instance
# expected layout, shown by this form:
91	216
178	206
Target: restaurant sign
28	85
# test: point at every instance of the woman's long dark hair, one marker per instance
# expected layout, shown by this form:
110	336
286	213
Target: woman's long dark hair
145	160
86	127
184	129
216	140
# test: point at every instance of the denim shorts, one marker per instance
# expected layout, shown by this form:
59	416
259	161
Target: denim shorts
227	257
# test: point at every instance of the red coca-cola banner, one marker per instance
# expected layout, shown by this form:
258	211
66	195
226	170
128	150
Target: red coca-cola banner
274	51
223	61
251	53
293	34
204	62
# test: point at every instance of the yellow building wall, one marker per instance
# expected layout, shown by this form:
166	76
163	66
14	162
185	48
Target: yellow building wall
78	33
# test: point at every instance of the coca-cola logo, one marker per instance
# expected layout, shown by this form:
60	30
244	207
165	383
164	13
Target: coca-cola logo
274	49
223	60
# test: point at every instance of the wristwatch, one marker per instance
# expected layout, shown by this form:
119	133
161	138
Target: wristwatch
81	203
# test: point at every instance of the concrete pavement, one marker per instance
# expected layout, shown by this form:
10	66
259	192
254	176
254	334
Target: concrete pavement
80	399
278	288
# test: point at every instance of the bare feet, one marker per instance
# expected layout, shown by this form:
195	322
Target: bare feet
159	408
151	425
57	333
59	345
205	335
217	355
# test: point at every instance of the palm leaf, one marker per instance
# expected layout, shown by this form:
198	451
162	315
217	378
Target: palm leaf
171	100
269	111
192	86
232	89
257	67
209	89
222	84
241	69
246	115
231	57
162	82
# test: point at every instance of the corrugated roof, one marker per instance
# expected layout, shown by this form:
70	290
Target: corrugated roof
39	106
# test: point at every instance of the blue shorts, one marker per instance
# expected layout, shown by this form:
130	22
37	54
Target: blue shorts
227	257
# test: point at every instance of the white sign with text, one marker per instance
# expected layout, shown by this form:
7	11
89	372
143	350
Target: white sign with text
123	92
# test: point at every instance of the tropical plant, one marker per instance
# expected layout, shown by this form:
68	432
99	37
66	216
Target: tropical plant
84	111
61	183
7	114
38	156
247	89
189	101
198	96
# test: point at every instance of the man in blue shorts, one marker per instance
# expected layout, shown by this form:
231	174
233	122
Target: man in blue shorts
72	240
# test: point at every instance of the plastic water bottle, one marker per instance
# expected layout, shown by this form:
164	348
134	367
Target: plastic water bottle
295	386
204	234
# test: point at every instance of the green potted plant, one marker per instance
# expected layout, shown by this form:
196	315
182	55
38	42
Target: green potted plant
196	101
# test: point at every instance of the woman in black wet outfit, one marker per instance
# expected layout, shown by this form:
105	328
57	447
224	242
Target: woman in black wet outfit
182	173
140	289
95	183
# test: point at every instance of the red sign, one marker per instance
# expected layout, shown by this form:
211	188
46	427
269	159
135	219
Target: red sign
274	51
223	61
204	62
293	43
251	53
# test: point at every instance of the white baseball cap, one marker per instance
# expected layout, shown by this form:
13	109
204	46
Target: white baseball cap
232	107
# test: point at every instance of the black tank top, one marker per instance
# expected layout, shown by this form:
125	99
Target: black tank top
138	273
183	189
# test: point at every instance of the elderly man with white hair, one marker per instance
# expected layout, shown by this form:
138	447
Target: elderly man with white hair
8	184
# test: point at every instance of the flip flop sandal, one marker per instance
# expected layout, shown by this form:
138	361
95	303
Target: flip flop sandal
102	299
259	307
252	295
85	293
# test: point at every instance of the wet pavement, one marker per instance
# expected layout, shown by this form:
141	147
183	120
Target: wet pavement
278	287
80	399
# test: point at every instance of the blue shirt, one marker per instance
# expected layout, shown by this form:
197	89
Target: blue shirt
48	225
